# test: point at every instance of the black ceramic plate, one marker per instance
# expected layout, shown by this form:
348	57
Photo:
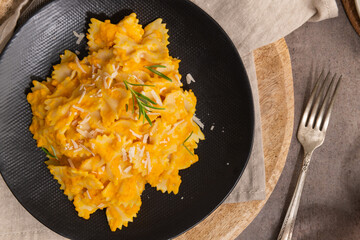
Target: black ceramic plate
224	100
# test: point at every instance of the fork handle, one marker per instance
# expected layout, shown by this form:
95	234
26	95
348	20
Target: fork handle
289	222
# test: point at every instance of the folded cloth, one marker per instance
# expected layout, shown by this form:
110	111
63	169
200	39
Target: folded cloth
250	24
7	28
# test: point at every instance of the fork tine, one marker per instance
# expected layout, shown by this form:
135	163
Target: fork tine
319	118
327	117
308	106
317	101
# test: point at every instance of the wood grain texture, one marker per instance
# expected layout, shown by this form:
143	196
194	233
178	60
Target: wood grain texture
350	9
274	73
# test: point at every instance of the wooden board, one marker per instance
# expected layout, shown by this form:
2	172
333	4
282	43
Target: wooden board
273	70
350	9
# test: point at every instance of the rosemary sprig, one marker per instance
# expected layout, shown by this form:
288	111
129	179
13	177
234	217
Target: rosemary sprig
151	69
157	66
143	103
186	146
49	154
133	100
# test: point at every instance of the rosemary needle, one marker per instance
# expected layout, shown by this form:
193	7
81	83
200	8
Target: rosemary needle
186	146
53	151
48	153
157	66
151	68
142	101
142	85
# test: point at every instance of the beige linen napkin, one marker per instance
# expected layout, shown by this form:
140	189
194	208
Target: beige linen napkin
7	28
250	24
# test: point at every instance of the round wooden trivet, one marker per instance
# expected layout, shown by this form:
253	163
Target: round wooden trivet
274	73
350	9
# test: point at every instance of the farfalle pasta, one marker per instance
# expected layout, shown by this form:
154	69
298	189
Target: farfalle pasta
116	120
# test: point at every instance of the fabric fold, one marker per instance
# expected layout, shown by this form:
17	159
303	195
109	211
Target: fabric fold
7	28
251	185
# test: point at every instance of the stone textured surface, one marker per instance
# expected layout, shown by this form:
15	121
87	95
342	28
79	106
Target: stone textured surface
330	204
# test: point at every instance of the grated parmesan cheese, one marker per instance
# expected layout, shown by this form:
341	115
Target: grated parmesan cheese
162	89
154	128
153	113
198	122
88	194
86	119
71	163
127	170
146	136
77	150
212	127
92	133
135	134
78	108
156	97
73	74
85	148
77	52
99	130
79	65
80	37
124	154
141	151
67	146
109	84
83	133
112	76
148	161
138	79
118	137
178	78
189	78
175	125
76	146
105	83
131	153
74	122
82	96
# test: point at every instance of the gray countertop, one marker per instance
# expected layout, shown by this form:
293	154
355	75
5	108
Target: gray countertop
330	204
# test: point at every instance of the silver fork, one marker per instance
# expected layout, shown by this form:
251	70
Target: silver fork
311	135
